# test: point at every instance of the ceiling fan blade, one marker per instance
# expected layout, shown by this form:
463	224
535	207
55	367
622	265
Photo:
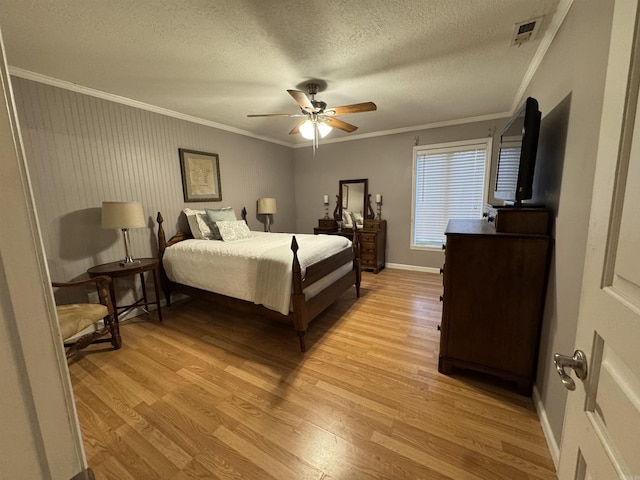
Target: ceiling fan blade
302	100
336	123
355	108
296	129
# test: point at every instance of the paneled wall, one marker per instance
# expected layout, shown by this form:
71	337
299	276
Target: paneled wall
81	150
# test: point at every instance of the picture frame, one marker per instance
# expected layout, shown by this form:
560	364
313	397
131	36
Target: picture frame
345	196
200	176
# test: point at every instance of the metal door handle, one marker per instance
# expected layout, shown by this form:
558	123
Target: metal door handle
578	363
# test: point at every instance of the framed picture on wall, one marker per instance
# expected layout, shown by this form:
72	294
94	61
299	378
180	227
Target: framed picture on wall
200	176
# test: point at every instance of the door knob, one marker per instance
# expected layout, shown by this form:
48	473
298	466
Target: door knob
578	363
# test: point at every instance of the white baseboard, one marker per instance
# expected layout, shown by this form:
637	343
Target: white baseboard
554	448
414	268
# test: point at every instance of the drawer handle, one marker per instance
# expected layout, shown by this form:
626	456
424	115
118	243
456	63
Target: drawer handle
441	270
438	327
441	298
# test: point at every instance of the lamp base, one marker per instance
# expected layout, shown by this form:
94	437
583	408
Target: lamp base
128	262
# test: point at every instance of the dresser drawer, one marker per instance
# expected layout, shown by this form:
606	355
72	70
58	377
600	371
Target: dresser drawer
327	223
367	237
368	262
367	249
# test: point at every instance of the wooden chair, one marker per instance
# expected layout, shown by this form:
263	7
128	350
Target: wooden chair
74	318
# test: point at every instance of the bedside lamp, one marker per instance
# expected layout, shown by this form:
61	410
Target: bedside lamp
123	216
267	206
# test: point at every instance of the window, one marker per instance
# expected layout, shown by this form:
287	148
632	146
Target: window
449	181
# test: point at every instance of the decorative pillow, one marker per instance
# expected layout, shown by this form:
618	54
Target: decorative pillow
357	218
231	230
193	221
346	218
207	227
218	214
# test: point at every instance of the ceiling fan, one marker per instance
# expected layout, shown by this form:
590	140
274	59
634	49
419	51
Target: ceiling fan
318	120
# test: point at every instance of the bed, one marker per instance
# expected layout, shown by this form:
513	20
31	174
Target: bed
287	277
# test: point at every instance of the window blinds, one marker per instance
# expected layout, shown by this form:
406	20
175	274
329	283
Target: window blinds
449	183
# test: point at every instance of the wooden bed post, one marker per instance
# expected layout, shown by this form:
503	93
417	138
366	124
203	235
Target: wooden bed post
162	245
297	298
356	259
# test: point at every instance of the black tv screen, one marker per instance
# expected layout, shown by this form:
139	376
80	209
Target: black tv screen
517	154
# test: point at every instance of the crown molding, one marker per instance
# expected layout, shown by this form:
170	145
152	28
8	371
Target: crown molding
36	77
414	128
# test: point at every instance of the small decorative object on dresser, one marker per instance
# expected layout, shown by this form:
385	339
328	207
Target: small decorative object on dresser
379	205
326	207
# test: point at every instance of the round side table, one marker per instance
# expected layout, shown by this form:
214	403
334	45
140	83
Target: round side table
117	270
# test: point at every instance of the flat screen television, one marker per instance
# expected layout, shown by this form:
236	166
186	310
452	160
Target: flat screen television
517	155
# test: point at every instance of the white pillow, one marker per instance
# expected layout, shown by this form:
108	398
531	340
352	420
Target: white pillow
357	218
200	225
231	230
193	221
346	218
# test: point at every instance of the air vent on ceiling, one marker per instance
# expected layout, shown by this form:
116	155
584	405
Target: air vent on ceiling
525	31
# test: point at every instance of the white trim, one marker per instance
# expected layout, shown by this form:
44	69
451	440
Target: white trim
413	268
74	87
545	43
554	448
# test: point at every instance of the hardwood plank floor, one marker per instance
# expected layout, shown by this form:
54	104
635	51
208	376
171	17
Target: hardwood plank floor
222	395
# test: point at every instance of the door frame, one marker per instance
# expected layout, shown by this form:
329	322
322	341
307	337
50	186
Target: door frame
45	439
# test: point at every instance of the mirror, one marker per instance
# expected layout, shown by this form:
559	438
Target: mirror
353	197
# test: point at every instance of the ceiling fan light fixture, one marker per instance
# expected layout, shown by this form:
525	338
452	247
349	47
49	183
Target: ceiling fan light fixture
324	129
307	130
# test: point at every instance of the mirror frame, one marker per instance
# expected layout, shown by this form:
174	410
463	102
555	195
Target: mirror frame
366	201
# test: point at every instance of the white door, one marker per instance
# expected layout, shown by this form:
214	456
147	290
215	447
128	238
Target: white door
601	435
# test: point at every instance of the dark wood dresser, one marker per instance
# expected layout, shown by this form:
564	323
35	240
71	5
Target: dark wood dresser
373	245
372	238
495	279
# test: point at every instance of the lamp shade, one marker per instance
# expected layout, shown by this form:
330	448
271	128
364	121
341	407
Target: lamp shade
122	215
267	206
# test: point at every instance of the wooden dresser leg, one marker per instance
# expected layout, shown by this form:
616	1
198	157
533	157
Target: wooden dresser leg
443	366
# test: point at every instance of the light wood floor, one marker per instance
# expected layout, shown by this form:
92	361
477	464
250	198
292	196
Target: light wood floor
221	395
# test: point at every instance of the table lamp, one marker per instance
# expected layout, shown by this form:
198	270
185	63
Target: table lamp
267	206
123	216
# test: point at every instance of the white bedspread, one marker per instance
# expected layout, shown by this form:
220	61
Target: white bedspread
256	269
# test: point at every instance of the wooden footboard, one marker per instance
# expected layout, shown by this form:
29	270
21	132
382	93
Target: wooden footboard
304	311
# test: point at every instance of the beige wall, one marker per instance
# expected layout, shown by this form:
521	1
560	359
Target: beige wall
387	162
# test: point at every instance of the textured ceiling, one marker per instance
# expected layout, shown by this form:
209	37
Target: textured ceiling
420	61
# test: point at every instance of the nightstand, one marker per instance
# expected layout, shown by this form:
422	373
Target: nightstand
116	270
